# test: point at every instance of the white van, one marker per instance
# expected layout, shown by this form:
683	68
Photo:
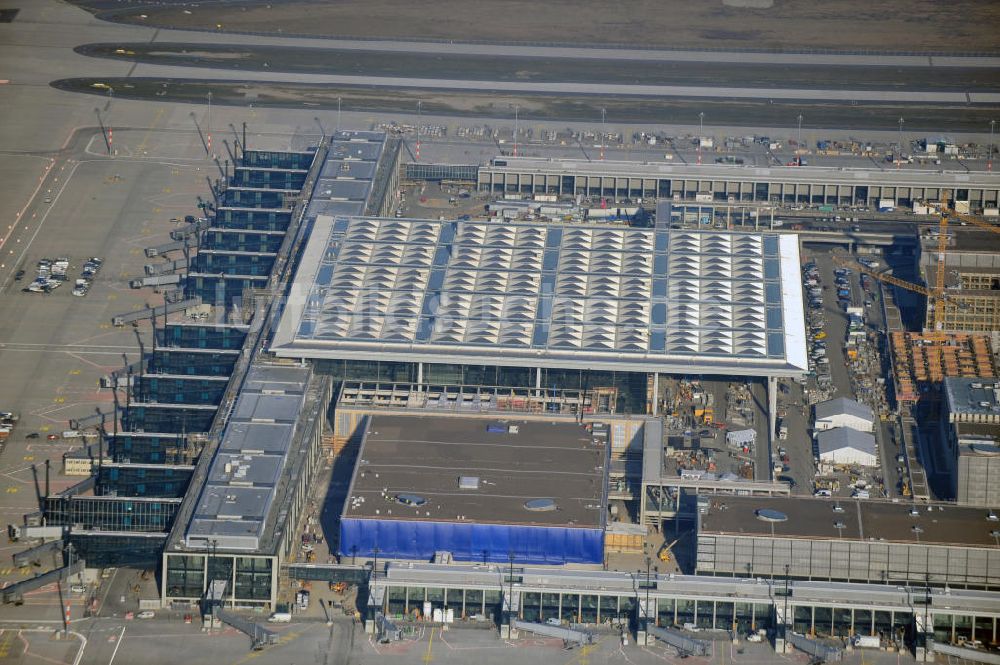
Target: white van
280	617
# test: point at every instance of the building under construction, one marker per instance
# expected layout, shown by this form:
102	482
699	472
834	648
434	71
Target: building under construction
922	361
971	283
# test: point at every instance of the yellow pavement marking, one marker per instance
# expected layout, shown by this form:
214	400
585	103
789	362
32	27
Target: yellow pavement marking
74	372
59	400
113	296
44	428
428	657
29	458
11	490
142	146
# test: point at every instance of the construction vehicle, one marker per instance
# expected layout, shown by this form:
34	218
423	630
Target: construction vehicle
664	553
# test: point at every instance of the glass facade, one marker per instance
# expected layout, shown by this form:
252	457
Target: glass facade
110	513
143	481
179	389
180	361
143	448
159	418
260	219
271	159
211	336
628	388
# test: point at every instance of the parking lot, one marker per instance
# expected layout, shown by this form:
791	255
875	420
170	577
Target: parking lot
56	346
855	378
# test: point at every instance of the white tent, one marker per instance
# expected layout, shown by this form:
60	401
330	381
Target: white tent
844	445
843	412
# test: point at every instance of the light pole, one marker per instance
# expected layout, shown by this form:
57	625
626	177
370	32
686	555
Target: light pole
989	156
899	157
510	594
645	609
516	109
208	129
419	104
784	619
604	132
701	133
338	114
799	140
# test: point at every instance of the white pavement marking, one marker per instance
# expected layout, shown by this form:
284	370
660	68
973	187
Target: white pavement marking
117	646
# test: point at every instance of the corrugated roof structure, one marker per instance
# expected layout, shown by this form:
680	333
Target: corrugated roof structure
842	438
845	406
536	295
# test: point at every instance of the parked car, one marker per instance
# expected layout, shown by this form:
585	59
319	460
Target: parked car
146	614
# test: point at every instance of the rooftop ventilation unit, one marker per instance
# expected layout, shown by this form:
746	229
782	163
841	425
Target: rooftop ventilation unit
468	482
770	515
411	499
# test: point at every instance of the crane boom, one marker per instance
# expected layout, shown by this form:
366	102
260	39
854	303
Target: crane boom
941	249
883	277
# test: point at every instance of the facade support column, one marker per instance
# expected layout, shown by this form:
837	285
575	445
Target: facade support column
538	380
772	416
656	393
420	374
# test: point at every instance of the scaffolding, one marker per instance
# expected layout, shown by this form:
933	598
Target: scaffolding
922	361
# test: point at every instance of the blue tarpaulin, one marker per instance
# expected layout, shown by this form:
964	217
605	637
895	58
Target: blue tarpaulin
397	539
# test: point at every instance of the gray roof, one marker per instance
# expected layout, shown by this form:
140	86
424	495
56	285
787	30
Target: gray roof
973	396
425	456
843	405
234	503
345	179
776	174
844	437
808	517
597	296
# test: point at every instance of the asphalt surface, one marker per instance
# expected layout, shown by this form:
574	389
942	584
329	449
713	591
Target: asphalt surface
245	57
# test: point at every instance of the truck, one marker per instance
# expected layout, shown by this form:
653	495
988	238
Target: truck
867	642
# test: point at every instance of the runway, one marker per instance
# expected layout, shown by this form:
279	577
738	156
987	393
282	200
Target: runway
147	71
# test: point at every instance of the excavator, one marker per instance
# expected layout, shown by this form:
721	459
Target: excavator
664	553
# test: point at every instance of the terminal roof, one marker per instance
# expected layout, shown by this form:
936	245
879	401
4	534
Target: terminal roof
816	518
586	297
232	509
423	458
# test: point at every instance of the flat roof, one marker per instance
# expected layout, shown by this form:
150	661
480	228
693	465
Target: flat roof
345	178
816	174
876	521
538	295
978	397
233	505
424	456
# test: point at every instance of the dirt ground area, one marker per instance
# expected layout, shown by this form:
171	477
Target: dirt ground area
845	25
